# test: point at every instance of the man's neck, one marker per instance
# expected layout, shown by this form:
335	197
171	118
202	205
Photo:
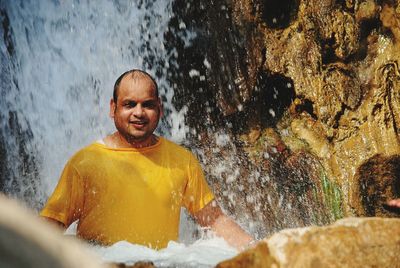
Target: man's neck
116	140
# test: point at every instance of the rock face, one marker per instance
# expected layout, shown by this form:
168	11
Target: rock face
351	242
342	57
294	97
376	181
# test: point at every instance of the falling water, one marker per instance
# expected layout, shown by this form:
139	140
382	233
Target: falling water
59	65
59	61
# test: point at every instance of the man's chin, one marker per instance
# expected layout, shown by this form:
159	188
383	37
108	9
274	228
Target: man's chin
138	137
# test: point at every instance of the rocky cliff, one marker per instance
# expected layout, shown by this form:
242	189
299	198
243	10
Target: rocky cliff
293	105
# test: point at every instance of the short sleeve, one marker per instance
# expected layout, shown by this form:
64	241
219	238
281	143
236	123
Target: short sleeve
197	192
66	202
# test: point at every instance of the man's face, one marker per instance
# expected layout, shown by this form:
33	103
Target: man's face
137	110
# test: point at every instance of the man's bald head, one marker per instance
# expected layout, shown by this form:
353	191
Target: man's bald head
135	74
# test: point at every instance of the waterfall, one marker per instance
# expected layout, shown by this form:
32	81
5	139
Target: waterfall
59	61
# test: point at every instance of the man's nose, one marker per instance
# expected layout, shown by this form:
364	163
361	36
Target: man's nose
138	110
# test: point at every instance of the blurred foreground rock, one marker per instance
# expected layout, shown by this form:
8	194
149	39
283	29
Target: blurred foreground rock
351	242
27	241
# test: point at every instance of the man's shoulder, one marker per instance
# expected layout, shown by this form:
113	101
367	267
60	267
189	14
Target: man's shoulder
91	150
176	148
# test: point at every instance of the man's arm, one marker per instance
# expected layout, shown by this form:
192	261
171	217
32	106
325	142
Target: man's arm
212	216
394	203
55	223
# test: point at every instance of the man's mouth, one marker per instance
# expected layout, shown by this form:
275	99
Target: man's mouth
138	124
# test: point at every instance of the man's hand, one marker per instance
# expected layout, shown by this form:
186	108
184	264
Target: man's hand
212	216
394	203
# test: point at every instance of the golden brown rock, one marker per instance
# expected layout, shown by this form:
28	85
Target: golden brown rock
322	74
351	242
390	18
343	59
312	131
366	10
376	181
258	256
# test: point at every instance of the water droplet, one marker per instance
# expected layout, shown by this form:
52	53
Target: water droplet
272	112
193	73
207	63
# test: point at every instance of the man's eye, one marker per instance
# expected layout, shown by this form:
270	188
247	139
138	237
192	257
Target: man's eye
150	105
130	104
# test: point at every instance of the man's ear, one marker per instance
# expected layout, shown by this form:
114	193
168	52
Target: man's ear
112	108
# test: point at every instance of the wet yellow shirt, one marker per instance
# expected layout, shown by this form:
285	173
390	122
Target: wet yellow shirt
129	194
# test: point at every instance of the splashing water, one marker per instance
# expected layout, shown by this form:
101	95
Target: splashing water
206	251
65	58
59	61
201	254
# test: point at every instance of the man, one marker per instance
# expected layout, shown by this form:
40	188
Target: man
132	184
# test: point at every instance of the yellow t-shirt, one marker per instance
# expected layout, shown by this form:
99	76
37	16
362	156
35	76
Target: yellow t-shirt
129	194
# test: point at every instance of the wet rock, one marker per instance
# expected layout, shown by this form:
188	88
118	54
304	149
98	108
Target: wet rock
279	14
377	180
366	10
342	59
343	90
340	106
226	61
312	131
259	256
351	242
266	186
390	17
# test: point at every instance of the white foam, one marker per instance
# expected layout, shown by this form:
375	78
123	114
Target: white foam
202	253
